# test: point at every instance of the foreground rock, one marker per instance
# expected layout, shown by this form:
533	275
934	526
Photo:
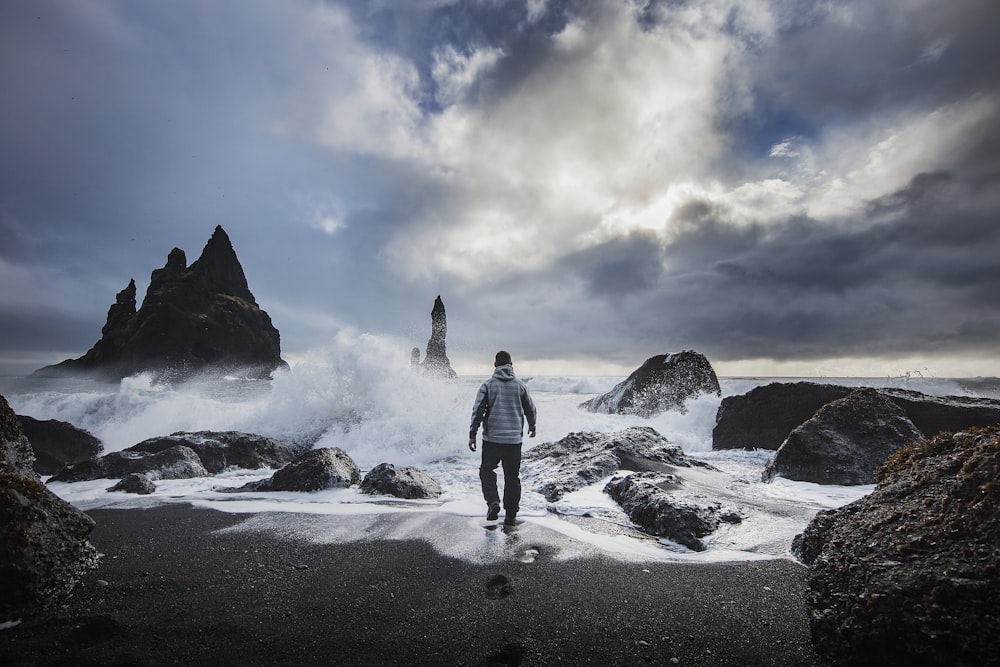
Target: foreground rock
845	441
177	462
58	444
647	499
664	382
763	417
910	574
409	483
581	459
436	360
192	319
315	470
44	547
219	450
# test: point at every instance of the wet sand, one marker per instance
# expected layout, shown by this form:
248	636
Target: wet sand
171	590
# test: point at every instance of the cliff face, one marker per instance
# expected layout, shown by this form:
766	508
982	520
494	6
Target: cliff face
193	318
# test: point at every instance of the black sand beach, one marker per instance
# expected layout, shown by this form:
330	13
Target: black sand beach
170	590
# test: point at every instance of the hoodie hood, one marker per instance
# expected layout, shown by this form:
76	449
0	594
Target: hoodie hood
505	372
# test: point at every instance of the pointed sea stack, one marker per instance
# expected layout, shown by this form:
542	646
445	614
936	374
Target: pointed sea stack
193	318
436	361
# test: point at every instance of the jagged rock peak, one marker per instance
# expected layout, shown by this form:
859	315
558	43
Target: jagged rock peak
436	360
220	269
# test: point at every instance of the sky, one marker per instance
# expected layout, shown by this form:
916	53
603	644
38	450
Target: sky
788	187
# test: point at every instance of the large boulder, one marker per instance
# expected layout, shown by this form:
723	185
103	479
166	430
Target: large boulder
910	574
192	319
219	450
844	442
663	382
177	462
582	458
764	416
436	360
58	444
44	550
648	501
135	482
410	483
315	470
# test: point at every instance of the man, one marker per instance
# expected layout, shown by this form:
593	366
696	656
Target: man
502	404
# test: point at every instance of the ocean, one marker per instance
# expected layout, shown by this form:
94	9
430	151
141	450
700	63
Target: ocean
359	394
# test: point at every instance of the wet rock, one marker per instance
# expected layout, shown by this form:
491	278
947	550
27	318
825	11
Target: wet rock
219	450
663	382
58	444
409	483
583	458
135	482
177	462
649	503
937	414
844	442
315	470
910	574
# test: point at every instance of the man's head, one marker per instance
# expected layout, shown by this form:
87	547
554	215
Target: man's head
503	358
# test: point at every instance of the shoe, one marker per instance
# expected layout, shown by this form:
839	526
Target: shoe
494	513
510	519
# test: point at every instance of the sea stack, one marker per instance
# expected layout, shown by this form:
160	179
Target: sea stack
194	318
436	360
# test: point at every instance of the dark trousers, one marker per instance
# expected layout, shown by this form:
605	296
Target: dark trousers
509	456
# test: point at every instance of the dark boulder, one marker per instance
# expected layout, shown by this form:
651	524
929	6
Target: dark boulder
436	360
44	550
315	470
844	442
937	414
663	382
193	319
219	450
581	458
58	444
910	574
135	482
177	462
648	501
764	416
409	483
16	455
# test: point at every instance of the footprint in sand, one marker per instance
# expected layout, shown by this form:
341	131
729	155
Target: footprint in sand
498	587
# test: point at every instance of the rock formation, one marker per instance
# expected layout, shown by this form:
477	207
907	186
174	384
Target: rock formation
910	574
663	382
315	470
135	482
218	450
44	547
436	360
581	459
646	498
177	462
763	417
196	318
58	444
845	441
409	483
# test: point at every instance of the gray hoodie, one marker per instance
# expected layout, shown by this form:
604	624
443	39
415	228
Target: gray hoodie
501	406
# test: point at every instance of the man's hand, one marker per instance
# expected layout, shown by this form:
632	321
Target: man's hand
531	433
472	444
